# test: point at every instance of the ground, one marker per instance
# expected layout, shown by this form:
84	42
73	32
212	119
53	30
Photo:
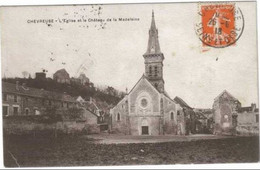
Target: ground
29	151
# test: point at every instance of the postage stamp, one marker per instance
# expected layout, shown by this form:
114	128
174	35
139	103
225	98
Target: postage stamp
220	25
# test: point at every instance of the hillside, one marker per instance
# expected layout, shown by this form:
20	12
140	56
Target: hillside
108	95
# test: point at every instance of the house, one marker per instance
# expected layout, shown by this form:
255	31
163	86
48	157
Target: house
231	118
40	76
21	100
190	117
61	76
147	109
204	120
99	109
225	108
248	120
83	79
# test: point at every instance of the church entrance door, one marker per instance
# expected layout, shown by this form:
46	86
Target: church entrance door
145	130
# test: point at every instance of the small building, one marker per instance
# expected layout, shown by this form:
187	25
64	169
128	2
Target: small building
61	76
204	120
231	118
248	120
21	100
190	118
40	76
83	79
225	109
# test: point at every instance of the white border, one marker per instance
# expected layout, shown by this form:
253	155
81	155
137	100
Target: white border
69	2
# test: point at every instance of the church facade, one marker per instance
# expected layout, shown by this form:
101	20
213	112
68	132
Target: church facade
147	109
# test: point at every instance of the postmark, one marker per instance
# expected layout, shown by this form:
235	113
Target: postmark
219	25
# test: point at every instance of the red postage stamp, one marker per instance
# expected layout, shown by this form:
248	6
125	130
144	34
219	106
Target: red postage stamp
220	25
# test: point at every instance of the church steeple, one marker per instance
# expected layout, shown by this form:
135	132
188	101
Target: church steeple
154	58
153	42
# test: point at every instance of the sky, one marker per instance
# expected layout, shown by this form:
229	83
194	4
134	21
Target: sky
110	53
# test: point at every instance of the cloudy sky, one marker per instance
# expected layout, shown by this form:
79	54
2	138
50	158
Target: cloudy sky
110	53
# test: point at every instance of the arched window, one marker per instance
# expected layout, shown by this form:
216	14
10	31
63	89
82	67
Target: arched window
26	111
118	116
155	71
172	116
150	70
156	85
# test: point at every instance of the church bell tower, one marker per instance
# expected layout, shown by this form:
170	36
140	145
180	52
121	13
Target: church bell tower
153	59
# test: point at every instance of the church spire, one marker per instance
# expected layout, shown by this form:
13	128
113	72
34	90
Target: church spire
153	59
153	42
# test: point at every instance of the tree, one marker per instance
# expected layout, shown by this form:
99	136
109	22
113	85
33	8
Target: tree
25	74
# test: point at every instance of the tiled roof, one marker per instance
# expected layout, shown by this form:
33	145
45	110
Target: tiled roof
34	92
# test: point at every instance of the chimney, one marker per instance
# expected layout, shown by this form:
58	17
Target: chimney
17	85
253	107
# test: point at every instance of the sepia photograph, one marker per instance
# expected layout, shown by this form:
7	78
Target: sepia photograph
90	85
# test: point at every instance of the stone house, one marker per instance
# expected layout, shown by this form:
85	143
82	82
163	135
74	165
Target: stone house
248	120
225	109
190	117
147	109
61	76
204	120
21	100
83	79
231	118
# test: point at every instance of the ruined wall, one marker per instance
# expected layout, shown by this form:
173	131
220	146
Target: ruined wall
224	110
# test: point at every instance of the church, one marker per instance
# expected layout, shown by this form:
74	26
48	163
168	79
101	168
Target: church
147	109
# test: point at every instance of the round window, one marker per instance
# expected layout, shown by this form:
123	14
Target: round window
144	103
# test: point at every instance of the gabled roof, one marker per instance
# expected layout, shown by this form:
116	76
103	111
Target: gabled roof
143	77
61	71
181	102
225	91
34	92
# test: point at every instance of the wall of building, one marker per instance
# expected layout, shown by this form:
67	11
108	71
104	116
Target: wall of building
153	123
28	105
170	125
248	123
144	86
224	109
119	126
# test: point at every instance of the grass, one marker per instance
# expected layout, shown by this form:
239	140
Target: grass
79	151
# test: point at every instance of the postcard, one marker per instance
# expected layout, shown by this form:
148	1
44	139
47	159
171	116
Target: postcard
129	84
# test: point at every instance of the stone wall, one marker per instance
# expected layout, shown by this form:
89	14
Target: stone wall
22	125
247	123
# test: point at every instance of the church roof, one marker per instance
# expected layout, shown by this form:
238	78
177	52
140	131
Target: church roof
144	77
225	91
181	102
153	42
